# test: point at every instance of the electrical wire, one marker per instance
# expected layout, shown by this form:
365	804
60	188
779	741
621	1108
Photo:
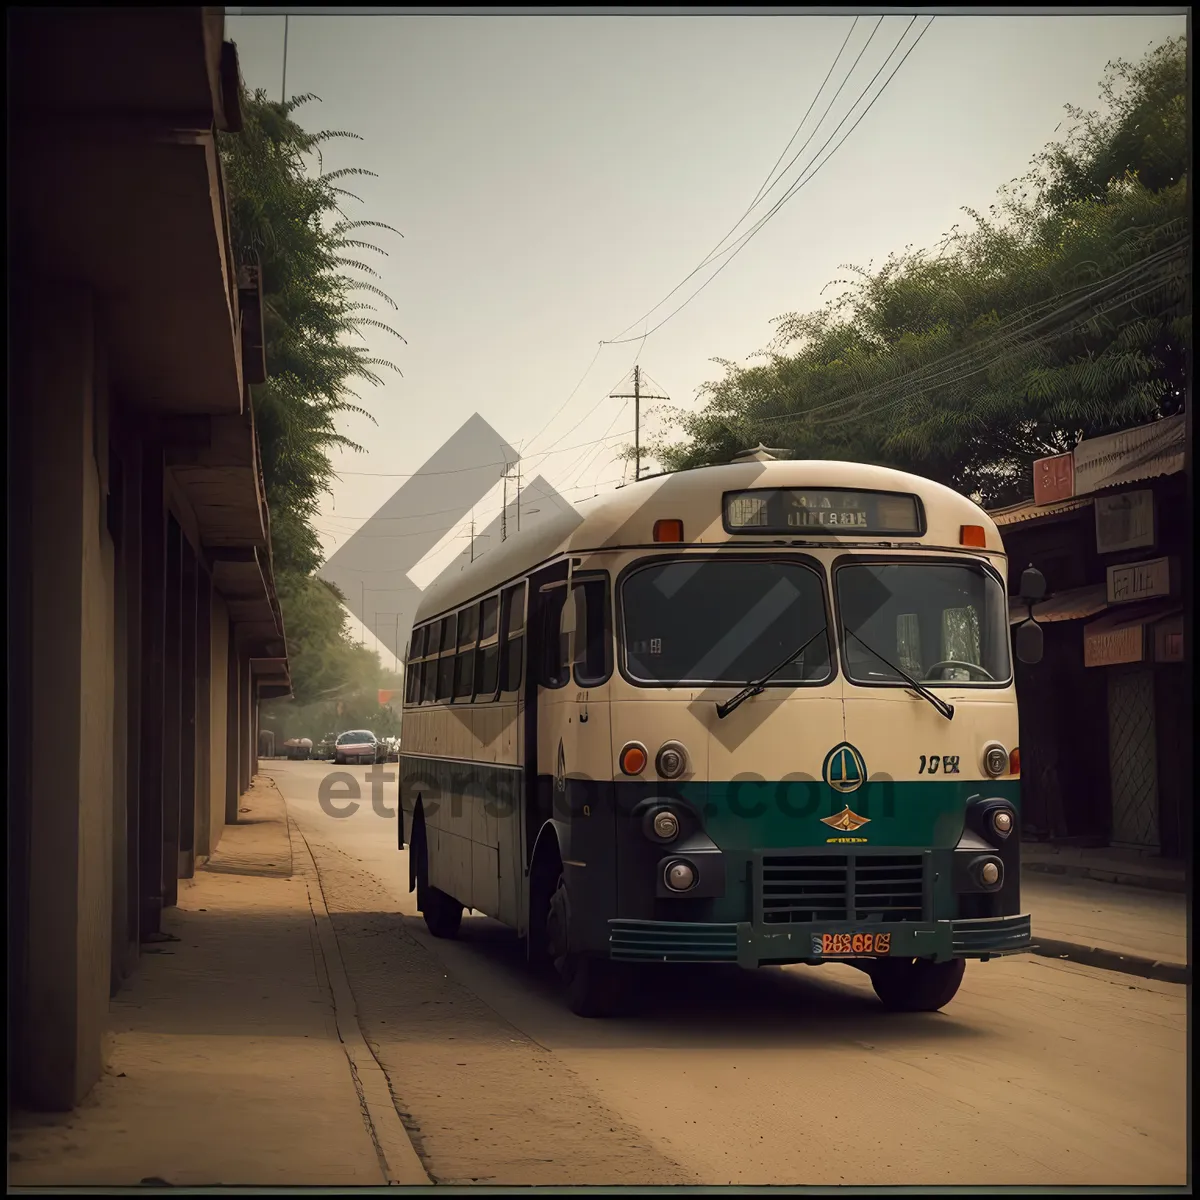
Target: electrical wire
767	185
804	179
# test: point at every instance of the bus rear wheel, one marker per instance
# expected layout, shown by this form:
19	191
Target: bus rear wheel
443	914
594	986
920	985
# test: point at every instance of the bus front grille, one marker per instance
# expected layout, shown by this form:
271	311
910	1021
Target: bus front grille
815	888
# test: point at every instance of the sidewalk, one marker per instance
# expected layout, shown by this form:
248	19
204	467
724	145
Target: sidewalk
1106	864
231	1046
1138	931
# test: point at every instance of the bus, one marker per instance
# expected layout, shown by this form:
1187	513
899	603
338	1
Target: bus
757	713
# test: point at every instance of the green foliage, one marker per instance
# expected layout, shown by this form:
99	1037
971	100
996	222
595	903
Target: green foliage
1062	313
288	220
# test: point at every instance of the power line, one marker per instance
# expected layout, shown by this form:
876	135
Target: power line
459	470
804	179
758	195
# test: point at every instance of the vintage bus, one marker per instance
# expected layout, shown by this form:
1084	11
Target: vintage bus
756	713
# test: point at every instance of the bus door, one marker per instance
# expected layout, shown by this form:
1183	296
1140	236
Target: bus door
545	692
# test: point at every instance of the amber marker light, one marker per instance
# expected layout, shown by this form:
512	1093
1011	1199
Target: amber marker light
633	759
668	531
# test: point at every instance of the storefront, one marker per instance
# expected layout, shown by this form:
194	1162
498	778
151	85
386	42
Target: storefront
1105	717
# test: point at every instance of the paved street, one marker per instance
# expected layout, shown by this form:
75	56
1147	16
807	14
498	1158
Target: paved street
1040	1071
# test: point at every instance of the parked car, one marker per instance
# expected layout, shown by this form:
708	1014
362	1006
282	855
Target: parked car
356	745
298	748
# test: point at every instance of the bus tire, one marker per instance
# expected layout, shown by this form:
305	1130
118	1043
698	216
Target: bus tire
594	986
921	986
443	914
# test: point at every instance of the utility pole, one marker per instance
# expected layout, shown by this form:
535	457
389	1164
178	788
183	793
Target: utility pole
637	396
504	509
283	89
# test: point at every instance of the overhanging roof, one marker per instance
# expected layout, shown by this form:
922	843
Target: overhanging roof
1071	605
115	185
1028	511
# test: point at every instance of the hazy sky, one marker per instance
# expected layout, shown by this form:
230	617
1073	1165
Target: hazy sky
555	176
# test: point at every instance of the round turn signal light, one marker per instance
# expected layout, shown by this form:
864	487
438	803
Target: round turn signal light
633	759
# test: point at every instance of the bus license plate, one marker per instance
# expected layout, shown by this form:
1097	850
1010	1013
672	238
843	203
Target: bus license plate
851	945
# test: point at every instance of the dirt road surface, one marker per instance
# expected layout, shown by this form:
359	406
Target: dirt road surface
1039	1072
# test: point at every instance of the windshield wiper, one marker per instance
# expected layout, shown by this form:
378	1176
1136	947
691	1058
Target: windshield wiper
759	685
943	706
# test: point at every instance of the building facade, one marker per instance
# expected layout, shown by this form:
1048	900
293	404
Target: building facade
1106	736
143	623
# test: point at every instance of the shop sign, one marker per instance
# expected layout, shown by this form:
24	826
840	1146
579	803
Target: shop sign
1139	581
1124	522
1054	479
1107	647
1168	639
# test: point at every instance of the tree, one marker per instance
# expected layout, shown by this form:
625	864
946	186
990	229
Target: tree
288	221
1062	313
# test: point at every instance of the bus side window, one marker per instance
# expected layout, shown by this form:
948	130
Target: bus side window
487	659
555	669
512	647
593	649
464	662
445	663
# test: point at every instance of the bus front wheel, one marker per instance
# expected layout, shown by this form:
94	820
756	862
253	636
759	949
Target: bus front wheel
594	986
906	985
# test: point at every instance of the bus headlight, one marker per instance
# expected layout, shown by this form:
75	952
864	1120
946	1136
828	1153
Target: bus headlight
671	761
990	873
680	876
665	825
995	759
1002	822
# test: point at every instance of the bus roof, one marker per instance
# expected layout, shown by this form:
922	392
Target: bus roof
626	517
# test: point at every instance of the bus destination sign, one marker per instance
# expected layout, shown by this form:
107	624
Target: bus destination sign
827	510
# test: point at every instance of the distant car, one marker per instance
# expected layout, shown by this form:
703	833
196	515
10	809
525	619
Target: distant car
393	749
356	745
325	747
298	748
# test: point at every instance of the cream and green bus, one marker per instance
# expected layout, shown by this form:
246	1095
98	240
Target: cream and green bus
760	713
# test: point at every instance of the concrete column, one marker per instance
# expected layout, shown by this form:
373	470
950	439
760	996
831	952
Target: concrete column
188	749
153	600
219	719
233	729
68	940
122	766
172	714
125	922
204	677
247	735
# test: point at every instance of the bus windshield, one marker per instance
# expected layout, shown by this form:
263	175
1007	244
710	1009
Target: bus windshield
723	622
941	623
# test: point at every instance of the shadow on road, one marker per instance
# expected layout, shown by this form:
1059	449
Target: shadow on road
677	1005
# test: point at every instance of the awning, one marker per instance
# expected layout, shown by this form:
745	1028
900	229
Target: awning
1120	635
1029	510
1071	605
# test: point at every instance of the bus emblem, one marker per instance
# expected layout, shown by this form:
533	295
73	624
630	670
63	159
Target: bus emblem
844	769
847	822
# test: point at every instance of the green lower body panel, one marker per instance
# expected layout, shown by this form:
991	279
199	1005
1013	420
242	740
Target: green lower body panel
754	946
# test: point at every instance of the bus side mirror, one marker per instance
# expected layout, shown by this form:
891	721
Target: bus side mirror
1033	585
1029	642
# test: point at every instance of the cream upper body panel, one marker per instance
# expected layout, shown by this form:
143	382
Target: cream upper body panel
626	518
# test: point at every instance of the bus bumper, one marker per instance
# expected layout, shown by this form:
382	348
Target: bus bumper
749	945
